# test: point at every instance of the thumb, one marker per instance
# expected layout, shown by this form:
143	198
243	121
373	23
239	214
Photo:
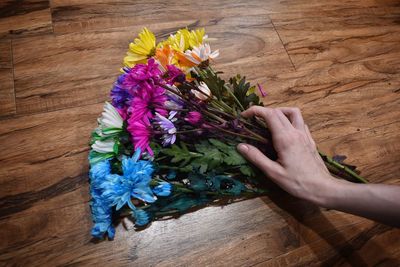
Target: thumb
255	156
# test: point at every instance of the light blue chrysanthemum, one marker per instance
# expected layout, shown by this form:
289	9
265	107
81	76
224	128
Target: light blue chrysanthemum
111	191
141	217
134	182
101	209
163	189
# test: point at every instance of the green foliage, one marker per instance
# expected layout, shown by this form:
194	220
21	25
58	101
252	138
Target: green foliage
213	81
207	155
95	157
180	154
243	91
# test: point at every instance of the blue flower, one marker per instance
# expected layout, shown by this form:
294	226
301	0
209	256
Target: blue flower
112	190
171	175
134	182
163	189
100	208
141	217
120	95
102	218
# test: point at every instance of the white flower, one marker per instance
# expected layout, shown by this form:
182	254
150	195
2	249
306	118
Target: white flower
205	91
201	53
110	123
105	146
110	117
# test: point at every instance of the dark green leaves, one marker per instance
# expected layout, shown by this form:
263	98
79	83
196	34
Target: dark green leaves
207	155
243	91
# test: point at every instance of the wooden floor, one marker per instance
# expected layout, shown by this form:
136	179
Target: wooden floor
338	60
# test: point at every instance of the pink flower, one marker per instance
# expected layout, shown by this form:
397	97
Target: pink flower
146	101
194	118
142	73
141	134
262	91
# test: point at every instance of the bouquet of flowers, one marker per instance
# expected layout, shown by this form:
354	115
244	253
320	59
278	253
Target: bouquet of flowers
167	141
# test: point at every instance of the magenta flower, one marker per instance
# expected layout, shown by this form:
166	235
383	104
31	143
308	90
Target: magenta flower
142	73
141	134
147	100
194	118
174	74
262	91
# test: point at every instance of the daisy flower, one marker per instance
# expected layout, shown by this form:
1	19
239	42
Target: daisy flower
197	55
141	49
110	123
167	127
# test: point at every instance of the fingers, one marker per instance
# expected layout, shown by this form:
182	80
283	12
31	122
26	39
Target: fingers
269	115
294	116
255	156
285	121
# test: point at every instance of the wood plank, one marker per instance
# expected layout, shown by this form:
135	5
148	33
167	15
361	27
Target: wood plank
7	97
45	149
279	224
5	54
346	249
317	39
337	100
78	69
64	238
80	16
24	18
77	16
296	6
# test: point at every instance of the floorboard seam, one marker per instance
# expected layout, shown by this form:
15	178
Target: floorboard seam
287	53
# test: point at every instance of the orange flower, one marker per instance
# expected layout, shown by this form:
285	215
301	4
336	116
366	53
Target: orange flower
165	55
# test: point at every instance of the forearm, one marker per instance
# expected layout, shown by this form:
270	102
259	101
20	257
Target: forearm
378	202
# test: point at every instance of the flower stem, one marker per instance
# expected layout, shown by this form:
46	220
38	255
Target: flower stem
330	162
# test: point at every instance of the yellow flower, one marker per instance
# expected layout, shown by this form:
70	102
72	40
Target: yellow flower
196	37
180	40
142	48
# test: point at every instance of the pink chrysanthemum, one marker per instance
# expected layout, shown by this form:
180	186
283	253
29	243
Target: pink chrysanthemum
141	134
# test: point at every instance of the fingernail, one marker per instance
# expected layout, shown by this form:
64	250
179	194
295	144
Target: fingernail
242	148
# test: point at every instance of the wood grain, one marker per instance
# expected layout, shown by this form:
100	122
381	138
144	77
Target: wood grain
338	61
49	77
7	97
82	16
5	54
24	18
319	39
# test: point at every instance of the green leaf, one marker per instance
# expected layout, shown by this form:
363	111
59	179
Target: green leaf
247	170
111	131
244	92
231	156
180	154
95	157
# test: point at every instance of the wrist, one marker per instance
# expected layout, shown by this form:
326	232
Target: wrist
328	192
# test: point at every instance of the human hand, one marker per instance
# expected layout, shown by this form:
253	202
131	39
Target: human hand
299	169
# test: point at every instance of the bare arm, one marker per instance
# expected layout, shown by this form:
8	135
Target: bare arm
301	172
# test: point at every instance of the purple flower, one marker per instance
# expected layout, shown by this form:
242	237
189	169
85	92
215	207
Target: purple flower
143	73
173	102
194	118
174	75
120	95
167	127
